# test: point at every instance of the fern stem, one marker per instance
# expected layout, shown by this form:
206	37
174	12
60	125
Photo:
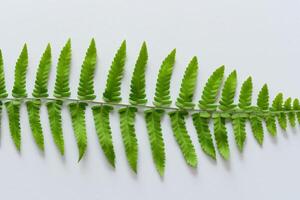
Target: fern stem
93	102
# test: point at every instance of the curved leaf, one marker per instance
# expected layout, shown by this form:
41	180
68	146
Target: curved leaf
127	119
112	91
62	89
101	119
211	90
188	85
3	92
86	82
33	108
162	91
13	112
291	114
245	97
296	108
19	88
263	98
137	87
257	129
42	75
54	115
220	133
182	137
239	130
204	135
153	118
77	111
228	93
277	106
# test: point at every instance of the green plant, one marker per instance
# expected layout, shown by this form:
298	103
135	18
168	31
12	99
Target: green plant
209	107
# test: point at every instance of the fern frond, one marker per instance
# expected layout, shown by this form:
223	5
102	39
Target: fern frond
101	119
86	82
112	91
42	75
77	111
228	93
19	88
162	91
137	87
204	135
188	85
127	119
13	112
277	106
291	115
182	137
62	88
33	109
211	90
220	133
54	115
153	119
3	91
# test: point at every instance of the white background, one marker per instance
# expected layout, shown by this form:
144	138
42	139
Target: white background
258	38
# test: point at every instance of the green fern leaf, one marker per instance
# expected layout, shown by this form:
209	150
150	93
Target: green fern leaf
220	133
42	75
296	107
153	119
13	111
291	114
127	119
137	87
245	97
182	137
54	115
3	92
256	121
277	106
86	83
112	91
77	111
257	128
188	86
211	90
263	98
204	135
239	130
228	93
85	92
40	90
238	120
33	108
101	119
19	88
162	91
271	125
226	104
62	89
